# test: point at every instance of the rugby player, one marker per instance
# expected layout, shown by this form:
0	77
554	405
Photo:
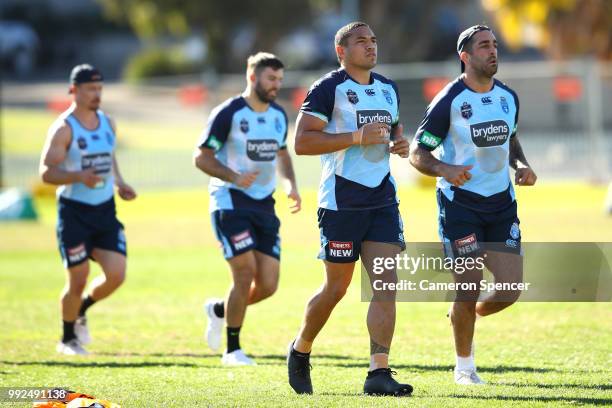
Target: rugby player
79	157
473	121
239	148
349	117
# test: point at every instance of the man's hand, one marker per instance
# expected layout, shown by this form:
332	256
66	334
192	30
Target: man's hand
374	133
456	175
294	196
89	177
245	180
525	176
401	147
126	192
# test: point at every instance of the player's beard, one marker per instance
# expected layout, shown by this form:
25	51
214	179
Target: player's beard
263	95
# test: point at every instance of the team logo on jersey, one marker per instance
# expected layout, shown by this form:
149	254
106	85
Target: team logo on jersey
515	231
504	104
82	143
341	249
486	100
373	116
466	110
95	137
492	133
370	92
244	125
262	150
109	138
352	97
261	120
277	125
387	96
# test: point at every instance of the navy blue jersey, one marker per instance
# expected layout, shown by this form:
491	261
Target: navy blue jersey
245	141
357	177
472	128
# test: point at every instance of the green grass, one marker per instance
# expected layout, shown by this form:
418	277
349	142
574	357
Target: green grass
148	349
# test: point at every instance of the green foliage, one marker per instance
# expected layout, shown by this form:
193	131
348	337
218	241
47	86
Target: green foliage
155	62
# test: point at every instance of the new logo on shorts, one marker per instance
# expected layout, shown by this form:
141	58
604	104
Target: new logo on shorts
352	97
466	245
242	240
262	150
244	125
340	249
504	104
492	133
466	110
387	96
373	116
77	253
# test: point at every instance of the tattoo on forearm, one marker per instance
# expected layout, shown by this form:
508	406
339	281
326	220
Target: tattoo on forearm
376	348
516	154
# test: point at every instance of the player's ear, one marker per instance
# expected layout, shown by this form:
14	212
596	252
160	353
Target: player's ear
252	76
464	57
340	52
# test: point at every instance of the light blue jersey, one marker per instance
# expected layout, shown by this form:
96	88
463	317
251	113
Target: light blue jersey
358	177
89	149
245	141
472	128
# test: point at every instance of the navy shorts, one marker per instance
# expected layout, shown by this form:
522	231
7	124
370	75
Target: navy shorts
241	230
342	232
82	227
466	232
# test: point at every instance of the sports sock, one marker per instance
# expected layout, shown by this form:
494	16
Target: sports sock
68	331
218	309
86	304
465	363
233	338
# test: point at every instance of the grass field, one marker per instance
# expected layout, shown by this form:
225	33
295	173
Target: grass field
148	349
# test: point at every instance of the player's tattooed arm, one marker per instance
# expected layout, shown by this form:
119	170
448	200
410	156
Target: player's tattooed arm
425	162
524	176
376	348
205	160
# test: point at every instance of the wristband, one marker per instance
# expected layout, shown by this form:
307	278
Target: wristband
358	136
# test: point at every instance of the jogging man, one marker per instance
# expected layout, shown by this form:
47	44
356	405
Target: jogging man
473	121
239	149
79	157
347	118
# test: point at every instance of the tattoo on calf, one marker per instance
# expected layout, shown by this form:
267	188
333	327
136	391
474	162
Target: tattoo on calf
376	348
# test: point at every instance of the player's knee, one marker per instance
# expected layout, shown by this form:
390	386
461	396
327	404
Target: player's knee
336	292
243	278
116	279
76	287
269	288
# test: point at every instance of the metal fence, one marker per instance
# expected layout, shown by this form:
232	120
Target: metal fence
565	122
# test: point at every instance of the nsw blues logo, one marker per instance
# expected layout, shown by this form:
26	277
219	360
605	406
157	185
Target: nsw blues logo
352	97
82	143
244	126
388	97
277	125
466	110
504	104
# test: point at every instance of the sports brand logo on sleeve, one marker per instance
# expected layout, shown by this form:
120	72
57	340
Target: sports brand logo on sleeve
341	249
262	150
242	240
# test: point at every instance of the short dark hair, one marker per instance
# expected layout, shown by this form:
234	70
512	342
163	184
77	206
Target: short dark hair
343	34
261	60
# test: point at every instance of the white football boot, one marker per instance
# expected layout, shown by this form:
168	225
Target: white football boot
237	358
214	327
81	330
71	348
